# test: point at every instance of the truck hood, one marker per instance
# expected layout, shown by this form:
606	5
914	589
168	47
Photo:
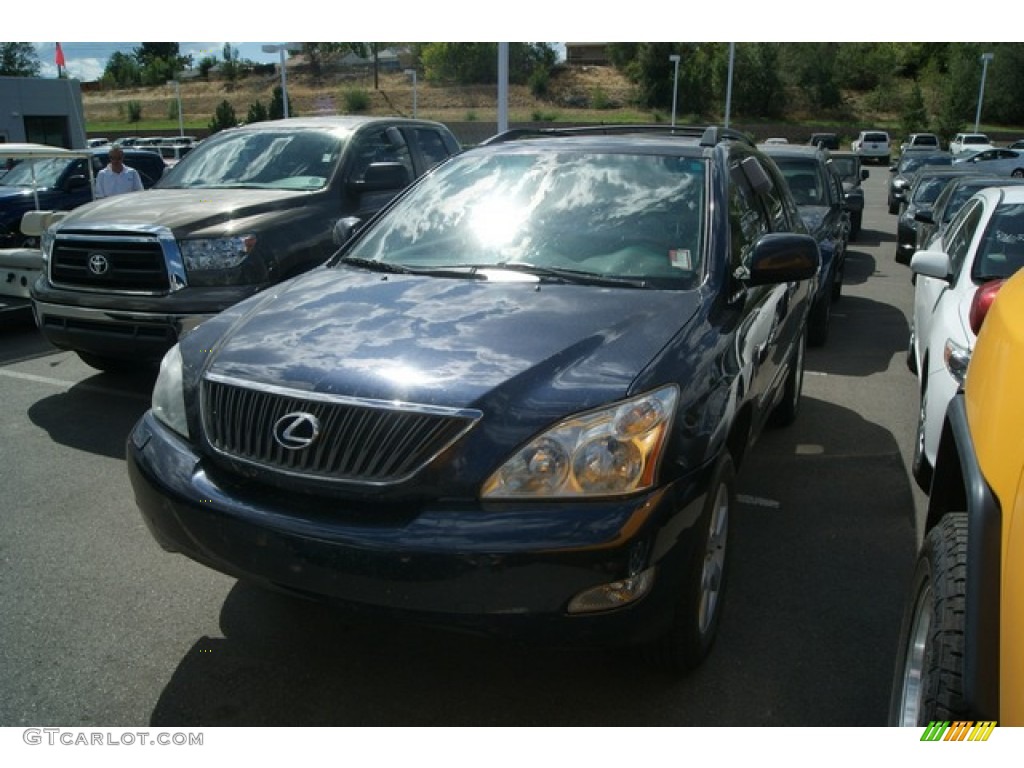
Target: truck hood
447	342
180	210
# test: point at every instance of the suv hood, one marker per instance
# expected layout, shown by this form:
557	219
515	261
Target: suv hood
178	209
447	342
813	217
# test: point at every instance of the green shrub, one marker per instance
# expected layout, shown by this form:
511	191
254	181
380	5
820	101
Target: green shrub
539	81
471	117
599	99
134	112
356	100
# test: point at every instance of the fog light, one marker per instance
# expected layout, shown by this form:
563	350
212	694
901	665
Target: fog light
613	595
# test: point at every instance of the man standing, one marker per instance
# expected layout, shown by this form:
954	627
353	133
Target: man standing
117	178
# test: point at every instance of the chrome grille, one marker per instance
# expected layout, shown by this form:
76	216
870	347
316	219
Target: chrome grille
133	262
363	441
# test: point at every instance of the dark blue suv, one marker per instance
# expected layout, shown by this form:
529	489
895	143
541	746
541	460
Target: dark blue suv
60	184
516	401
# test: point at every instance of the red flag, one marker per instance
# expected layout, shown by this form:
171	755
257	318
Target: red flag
60	56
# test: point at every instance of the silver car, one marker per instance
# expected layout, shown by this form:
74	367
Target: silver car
999	162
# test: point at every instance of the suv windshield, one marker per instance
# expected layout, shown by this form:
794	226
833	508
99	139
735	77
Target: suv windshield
46	172
302	160
637	217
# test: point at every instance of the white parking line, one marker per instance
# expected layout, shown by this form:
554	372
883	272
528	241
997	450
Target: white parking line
65	385
756	501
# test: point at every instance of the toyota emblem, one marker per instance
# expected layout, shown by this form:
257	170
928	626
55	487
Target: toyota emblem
297	430
99	264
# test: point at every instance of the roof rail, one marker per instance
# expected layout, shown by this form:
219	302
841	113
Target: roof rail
709	136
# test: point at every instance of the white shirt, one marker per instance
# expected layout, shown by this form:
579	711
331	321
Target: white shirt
109	183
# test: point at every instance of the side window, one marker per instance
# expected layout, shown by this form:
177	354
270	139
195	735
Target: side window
961	233
747	221
781	208
431	146
379	145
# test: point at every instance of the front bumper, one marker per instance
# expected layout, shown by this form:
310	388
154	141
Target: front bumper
506	568
126	326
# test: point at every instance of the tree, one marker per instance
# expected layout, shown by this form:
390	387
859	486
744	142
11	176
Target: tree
257	113
19	60
473	63
757	87
231	67
122	71
915	116
276	109
223	118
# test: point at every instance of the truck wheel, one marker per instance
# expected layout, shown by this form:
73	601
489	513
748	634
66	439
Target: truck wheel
928	681
785	412
699	607
855	222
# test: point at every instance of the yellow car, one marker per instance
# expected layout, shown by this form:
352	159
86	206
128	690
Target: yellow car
961	654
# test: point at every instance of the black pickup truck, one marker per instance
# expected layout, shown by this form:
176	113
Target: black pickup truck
247	208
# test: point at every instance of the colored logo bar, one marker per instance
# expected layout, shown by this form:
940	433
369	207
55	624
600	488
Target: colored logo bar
959	730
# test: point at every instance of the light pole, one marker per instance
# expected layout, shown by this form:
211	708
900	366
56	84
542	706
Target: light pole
985	59
177	94
728	88
412	73
674	58
284	77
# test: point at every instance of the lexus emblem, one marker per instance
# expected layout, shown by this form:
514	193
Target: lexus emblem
297	430
98	264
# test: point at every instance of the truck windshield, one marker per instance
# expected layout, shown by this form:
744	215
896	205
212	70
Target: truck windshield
47	172
302	161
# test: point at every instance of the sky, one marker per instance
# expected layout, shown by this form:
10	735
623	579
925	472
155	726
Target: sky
86	61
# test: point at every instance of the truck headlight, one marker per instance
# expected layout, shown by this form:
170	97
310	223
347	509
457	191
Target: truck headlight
611	451
168	396
214	253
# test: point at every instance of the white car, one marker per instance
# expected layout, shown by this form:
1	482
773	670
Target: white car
963	143
956	279
873	145
996	161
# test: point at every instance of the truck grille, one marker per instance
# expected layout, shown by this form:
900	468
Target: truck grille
115	262
360	441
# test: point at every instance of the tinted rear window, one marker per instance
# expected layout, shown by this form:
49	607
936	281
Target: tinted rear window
875	137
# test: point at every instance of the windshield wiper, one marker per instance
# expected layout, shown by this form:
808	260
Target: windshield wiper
568	275
374	265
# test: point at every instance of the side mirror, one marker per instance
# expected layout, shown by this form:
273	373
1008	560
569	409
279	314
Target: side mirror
931	264
783	258
344	229
383	176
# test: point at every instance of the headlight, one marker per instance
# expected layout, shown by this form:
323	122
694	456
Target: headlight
168	396
957	357
216	253
46	241
611	451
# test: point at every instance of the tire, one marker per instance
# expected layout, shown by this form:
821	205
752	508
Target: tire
699	608
919	467
855	222
1018	173
786	411
837	282
819	320
928	679
894	208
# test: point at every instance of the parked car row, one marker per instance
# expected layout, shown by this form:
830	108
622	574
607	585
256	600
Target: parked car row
961	229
